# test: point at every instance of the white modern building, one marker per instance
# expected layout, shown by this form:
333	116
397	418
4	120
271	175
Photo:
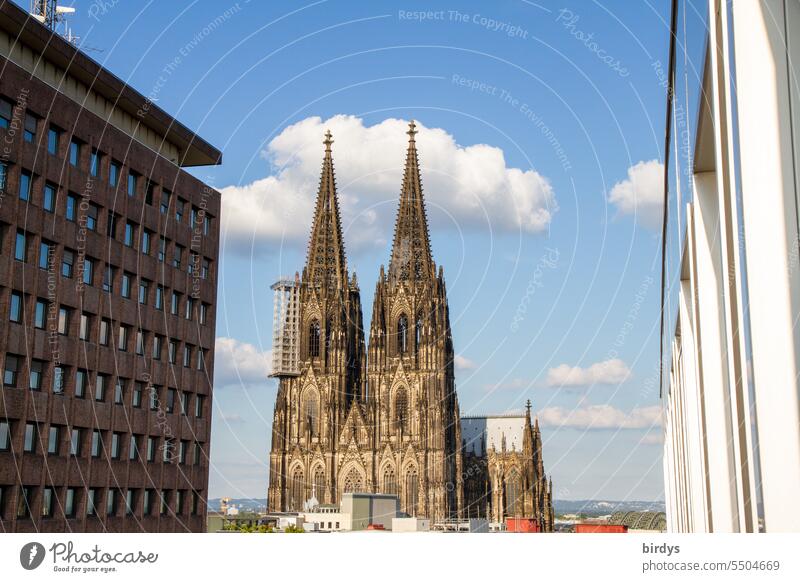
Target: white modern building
730	335
356	512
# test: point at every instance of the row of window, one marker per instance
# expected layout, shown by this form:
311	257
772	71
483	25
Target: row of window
71	502
167	450
99	168
24	244
173	399
88	331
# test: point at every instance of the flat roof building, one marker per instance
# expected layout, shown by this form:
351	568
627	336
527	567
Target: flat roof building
108	282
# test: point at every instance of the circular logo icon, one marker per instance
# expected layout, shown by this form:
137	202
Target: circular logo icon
31	555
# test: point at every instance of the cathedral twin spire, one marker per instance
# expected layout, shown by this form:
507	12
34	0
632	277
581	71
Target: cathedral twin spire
411	257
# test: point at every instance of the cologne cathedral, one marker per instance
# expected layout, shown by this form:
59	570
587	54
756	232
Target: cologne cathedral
383	416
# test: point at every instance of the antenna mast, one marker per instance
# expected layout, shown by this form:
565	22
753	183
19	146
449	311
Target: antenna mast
49	13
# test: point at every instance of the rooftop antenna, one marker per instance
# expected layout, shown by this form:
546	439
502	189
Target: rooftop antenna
49	13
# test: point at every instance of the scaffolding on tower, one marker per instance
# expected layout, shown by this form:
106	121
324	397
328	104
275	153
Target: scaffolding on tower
286	327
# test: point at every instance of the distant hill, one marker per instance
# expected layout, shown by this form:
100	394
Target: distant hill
588	506
604	507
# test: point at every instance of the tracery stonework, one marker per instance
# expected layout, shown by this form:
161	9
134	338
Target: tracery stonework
386	420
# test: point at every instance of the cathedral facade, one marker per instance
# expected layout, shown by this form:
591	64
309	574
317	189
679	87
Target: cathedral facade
385	419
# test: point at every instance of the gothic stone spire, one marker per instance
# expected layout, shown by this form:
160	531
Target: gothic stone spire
411	250
326	265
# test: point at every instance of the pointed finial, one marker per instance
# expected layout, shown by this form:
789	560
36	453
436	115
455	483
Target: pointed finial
328	140
528	408
412	131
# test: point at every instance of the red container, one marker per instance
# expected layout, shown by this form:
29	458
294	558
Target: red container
600	528
521	525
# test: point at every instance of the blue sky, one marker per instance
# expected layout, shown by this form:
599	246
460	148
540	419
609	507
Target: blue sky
568	95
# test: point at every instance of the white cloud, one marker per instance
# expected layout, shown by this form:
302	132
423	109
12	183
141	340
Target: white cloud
601	416
231	418
462	363
654	437
470	186
642	193
238	363
608	372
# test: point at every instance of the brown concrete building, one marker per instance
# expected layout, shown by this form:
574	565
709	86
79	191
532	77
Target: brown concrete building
108	277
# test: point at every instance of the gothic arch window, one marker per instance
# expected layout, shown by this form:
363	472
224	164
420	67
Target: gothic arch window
411	497
296	491
401	409
418	331
328	332
513	490
402	334
353	483
319	484
311	412
313	339
389	481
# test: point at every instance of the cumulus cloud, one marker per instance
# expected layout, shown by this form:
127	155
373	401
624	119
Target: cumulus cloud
462	363
601	416
608	372
469	186
239	363
642	193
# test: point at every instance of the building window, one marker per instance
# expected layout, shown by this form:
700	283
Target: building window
70	502
67	264
97	443
30	128
157	341
116	446
177	256
130	501
313	339
311	412
130	233
72	208
206	223
162	249
132	180
123	338
159	298
81	383
401	409
147	237
125	289
3	176
179	502
175	303
165	199
189	307
100	387
31	435
411	492
402	334
198	454
105	332
21	246
88	270
47	253
91	217
147	502
40	314
144	288
164	503
5	435
75	442
182	452
166	452
180	207
59	373
114	171
151	449
16	308
136	399
195	502
198	405
83	332
11	371
154	402
201	359
140	342
133	448
205	269
149	190
6	113
53	136
37	369
52	440
187	356
25	186
91	502
108	279
389	482
94	166
203	317
297	490
119	391
50	195
48	502
170	400
64	320
24	503
74	153
172	351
